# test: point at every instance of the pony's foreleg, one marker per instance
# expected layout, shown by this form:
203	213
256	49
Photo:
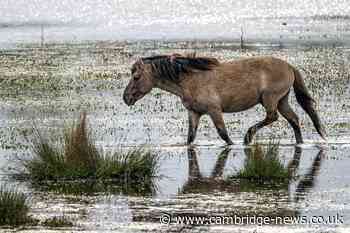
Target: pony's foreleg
219	123
193	121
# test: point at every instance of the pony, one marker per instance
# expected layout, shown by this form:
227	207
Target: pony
207	86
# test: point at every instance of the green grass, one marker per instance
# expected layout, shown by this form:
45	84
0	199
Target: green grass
263	165
60	221
76	162
13	207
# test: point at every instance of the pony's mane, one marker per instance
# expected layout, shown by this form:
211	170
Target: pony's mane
172	66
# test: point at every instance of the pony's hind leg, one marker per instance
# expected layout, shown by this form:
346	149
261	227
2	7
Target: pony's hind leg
269	102
292	118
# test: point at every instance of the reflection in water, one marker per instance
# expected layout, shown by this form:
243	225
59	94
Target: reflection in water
90	187
258	162
308	181
228	194
197	183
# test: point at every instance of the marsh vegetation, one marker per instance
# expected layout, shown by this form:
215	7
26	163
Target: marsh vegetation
14	207
263	164
75	163
95	171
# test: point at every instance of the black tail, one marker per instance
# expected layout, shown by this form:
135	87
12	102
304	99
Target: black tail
306	102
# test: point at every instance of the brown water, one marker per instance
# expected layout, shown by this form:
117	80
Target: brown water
52	86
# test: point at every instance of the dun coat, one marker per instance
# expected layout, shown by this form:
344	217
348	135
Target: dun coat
207	86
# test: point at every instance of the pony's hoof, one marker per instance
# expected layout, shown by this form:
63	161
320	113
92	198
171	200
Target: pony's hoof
191	146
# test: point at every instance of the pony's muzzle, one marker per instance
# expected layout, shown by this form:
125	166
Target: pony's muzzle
128	99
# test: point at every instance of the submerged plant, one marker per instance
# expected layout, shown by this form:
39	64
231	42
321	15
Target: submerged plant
77	162
13	207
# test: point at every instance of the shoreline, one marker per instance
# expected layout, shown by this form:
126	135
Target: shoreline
220	43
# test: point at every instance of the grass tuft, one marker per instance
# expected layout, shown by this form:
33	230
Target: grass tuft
77	162
263	165
60	221
13	207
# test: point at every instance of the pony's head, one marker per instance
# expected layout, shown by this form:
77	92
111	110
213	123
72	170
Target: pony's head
147	71
141	82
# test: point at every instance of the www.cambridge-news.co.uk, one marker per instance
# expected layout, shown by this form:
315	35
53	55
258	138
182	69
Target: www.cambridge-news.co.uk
168	219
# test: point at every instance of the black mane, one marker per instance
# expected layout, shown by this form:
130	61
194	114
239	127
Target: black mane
171	67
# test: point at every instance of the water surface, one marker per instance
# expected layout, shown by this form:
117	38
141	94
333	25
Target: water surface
52	85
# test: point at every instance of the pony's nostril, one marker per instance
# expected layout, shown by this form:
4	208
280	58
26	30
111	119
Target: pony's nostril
126	99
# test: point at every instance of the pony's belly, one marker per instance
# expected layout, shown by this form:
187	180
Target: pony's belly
240	105
238	108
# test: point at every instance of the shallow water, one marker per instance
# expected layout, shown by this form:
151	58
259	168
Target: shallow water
51	86
321	189
280	21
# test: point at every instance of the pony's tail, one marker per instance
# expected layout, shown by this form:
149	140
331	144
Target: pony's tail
307	102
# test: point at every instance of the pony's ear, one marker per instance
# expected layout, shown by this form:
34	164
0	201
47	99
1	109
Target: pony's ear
139	60
172	57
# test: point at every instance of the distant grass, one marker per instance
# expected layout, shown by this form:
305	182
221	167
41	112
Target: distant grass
60	221
13	207
263	166
76	162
